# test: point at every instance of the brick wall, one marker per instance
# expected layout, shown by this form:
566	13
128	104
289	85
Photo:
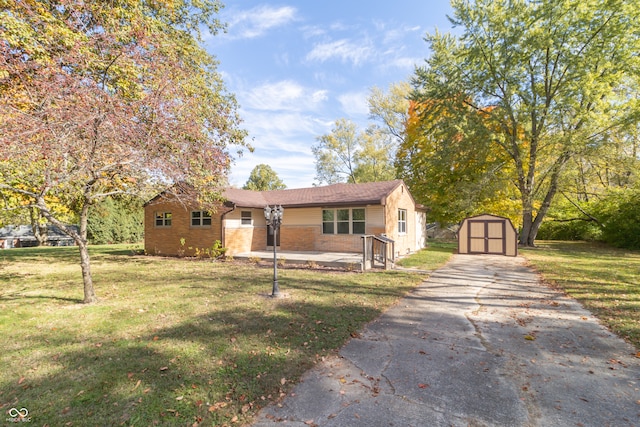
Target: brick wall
167	240
245	239
339	243
298	238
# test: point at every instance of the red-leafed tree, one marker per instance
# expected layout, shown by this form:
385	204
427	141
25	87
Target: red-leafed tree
104	98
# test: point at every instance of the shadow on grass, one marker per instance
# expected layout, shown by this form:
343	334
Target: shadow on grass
210	368
33	298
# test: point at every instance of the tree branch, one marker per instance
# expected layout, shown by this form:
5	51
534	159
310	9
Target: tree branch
582	211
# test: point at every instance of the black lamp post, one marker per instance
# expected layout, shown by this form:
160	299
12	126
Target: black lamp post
273	215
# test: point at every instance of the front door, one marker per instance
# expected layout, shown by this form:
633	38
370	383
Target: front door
270	237
487	237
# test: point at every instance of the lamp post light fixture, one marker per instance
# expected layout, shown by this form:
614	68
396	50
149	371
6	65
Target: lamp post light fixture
273	215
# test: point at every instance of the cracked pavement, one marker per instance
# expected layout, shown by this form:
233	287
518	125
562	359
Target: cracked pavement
481	342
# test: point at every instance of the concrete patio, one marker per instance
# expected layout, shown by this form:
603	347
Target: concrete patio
344	260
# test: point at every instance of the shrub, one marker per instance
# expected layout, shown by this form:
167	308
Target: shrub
569	230
116	220
620	213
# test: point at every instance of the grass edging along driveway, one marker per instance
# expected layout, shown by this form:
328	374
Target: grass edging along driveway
605	280
171	341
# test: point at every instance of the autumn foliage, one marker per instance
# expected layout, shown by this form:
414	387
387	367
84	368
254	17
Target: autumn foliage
99	99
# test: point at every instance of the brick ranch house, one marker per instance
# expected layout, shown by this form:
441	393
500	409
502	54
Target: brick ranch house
332	218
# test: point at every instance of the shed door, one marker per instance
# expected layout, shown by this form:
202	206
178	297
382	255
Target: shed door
487	237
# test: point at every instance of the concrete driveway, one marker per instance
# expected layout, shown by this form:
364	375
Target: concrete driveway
480	343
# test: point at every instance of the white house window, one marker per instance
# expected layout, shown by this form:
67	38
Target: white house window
200	219
343	221
357	221
245	217
402	221
328	221
163	219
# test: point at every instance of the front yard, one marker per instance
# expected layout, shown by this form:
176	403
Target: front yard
199	343
605	280
172	341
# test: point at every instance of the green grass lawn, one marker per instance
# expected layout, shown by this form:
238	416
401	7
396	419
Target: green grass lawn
172	341
604	279
433	257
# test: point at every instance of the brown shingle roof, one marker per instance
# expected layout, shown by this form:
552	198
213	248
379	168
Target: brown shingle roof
245	198
331	195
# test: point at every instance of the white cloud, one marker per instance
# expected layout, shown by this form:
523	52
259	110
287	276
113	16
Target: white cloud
355	103
257	21
284	95
310	31
343	50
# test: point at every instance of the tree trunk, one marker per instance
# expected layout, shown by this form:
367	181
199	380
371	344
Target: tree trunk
527	215
81	240
531	225
527	227
85	265
39	232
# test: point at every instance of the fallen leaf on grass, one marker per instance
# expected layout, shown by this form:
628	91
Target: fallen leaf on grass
283	381
217	406
137	384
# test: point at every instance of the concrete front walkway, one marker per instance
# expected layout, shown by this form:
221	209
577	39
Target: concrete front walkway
480	343
346	260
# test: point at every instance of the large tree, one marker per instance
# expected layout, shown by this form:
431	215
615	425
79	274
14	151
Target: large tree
451	172
535	83
104	98
347	155
264	178
391	109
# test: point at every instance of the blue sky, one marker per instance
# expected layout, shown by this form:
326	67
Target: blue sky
297	67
